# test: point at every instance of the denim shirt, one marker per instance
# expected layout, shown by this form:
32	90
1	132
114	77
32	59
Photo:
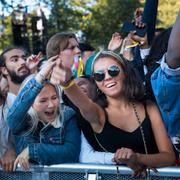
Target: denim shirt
6	138
47	144
166	87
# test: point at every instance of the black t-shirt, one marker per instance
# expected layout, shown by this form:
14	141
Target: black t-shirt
113	138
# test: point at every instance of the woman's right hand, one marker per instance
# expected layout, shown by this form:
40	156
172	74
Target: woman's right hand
46	69
61	75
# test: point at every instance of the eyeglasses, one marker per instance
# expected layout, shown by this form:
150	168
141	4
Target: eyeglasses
73	47
113	71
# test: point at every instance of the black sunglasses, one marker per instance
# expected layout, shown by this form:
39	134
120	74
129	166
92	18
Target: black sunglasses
113	71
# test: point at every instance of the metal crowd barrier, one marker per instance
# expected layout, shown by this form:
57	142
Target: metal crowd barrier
86	172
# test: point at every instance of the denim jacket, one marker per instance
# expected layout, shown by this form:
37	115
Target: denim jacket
166	87
47	144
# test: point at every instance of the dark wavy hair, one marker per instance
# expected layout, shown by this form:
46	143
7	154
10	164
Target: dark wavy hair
133	89
158	47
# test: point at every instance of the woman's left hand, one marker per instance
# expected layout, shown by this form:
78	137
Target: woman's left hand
23	160
129	157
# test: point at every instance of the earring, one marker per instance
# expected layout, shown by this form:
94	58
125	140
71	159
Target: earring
99	92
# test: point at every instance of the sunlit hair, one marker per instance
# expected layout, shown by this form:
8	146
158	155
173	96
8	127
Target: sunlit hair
58	43
133	88
32	112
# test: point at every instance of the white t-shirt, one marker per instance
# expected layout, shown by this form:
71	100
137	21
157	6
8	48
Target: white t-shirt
89	155
5	135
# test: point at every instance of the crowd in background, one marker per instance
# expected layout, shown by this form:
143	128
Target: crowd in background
120	105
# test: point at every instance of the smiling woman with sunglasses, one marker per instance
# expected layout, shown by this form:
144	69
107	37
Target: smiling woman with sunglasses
126	125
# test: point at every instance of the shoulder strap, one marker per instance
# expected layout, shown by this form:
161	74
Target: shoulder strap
106	115
145	108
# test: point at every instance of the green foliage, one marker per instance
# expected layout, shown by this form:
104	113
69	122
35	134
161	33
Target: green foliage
95	19
64	17
167	12
6	39
107	17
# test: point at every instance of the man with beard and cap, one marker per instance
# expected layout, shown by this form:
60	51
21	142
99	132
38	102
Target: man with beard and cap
16	67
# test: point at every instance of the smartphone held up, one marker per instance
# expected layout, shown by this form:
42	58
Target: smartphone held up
129	26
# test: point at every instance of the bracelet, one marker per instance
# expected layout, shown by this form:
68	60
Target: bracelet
42	76
71	83
134	43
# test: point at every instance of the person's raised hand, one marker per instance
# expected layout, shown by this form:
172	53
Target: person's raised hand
61	75
33	61
143	41
138	18
115	42
46	69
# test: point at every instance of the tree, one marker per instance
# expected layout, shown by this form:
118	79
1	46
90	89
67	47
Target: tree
106	17
167	12
96	20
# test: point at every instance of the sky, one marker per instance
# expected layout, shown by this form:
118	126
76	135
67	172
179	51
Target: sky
30	4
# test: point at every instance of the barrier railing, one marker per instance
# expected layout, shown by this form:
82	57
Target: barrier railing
86	172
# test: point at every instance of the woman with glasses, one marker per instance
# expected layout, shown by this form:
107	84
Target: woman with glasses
124	124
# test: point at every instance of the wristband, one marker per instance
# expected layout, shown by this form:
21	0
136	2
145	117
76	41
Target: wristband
127	49
40	77
71	83
134	43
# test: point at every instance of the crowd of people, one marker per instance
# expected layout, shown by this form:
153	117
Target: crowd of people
120	105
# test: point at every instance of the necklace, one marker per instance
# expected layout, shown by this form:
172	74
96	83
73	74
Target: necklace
105	150
141	129
143	138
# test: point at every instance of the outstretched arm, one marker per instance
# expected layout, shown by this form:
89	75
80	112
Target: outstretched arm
18	118
173	52
149	18
92	112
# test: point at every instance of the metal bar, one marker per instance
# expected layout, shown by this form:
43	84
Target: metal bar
42	172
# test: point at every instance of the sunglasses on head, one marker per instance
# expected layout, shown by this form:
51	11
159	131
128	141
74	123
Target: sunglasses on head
113	71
